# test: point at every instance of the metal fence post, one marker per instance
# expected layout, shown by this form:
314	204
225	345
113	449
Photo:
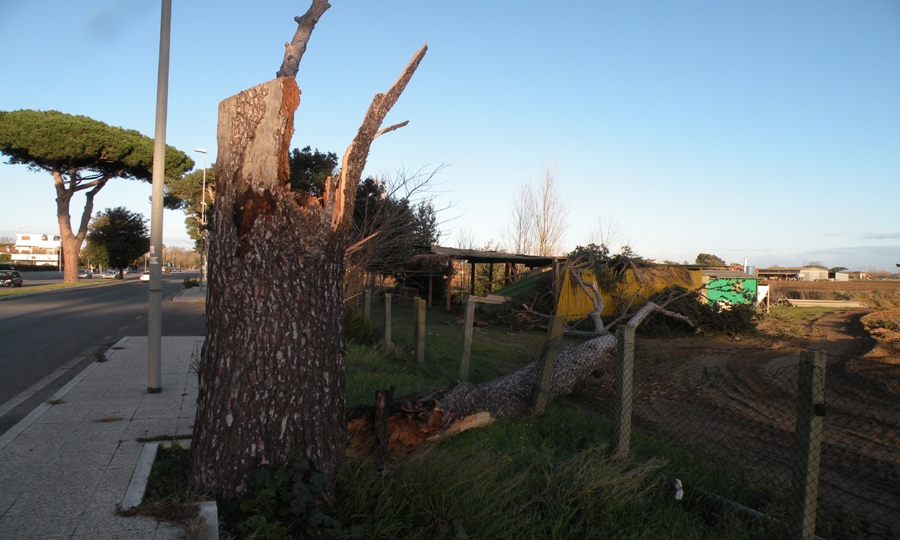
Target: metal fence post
467	339
807	444
624	390
541	393
387	322
420	329
367	305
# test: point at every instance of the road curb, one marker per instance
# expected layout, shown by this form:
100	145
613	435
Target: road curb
32	417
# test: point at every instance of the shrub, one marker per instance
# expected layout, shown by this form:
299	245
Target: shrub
712	319
283	501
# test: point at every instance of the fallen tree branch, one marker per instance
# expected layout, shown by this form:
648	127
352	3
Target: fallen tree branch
417	419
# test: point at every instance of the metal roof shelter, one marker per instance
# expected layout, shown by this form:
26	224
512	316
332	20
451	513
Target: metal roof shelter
488	257
475	256
779	272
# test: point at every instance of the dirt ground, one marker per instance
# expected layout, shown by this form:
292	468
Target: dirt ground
845	286
737	399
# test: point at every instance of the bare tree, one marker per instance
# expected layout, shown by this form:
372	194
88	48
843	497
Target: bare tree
608	233
465	239
550	214
538	217
394	217
519	237
272	367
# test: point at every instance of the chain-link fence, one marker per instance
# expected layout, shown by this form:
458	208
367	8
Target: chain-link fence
790	444
803	445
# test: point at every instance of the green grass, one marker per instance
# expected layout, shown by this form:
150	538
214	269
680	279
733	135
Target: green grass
545	477
792	322
496	349
11	291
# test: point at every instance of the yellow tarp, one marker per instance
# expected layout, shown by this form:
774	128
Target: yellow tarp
575	304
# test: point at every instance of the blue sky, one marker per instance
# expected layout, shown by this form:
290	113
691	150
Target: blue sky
765	130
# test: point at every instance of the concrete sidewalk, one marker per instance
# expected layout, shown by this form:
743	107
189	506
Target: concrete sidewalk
192	294
64	468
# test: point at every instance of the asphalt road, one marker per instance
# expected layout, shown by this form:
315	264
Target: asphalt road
48	338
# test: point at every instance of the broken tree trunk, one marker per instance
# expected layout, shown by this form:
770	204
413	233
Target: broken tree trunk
272	366
417	419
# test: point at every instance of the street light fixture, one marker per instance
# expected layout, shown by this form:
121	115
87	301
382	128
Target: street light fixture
202	217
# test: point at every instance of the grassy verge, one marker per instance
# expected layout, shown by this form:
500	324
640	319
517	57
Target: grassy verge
167	497
12	291
545	477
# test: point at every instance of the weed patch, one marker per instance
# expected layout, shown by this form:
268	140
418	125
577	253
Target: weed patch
168	497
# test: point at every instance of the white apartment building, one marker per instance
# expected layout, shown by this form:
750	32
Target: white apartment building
37	249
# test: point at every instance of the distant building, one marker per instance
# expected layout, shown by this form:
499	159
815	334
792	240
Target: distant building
793	273
858	275
813	273
779	273
839	276
36	249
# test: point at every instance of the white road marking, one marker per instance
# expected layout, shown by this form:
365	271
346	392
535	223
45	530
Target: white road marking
38	386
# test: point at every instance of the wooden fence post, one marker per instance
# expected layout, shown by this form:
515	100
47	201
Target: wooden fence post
449	292
624	370
419	307
367	305
387	322
807	444
541	392
467	339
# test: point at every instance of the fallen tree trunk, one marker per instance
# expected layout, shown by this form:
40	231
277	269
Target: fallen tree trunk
420	418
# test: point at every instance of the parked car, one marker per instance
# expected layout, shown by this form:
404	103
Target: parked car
85	274
10	278
145	277
109	274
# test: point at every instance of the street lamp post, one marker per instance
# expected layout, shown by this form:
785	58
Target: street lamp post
154	308
202	217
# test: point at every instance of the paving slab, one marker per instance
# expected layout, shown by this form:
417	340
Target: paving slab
66	466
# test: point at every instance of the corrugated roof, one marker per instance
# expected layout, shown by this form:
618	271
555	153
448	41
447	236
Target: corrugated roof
481	256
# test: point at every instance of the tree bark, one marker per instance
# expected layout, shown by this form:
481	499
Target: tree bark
70	241
271	371
272	367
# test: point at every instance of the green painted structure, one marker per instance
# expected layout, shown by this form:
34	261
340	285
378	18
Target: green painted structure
730	287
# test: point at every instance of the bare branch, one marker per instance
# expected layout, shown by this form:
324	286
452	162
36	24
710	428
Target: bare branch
357	246
645	311
294	50
595	298
391	128
354	160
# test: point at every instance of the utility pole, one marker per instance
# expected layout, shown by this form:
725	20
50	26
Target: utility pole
202	217
154	312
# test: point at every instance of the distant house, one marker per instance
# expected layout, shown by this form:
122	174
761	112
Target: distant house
779	273
36	249
813	273
793	273
858	275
